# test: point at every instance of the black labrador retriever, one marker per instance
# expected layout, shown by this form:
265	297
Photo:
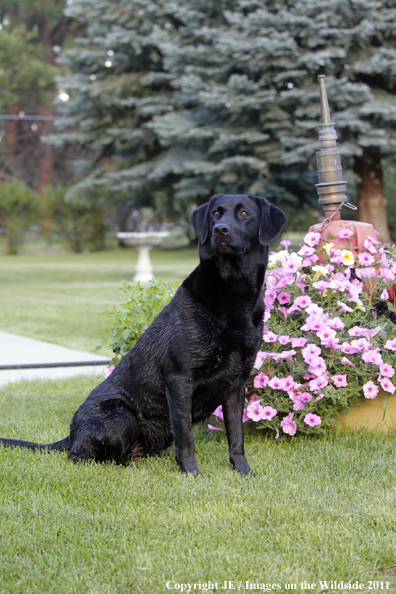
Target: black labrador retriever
197	354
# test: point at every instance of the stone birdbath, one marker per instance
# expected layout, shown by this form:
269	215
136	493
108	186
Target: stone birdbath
143	241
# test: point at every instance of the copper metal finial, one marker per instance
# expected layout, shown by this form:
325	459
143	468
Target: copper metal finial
331	187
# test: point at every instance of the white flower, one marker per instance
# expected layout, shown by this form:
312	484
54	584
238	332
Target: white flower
347	258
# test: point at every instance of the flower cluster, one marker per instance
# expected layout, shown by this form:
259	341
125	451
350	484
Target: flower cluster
324	345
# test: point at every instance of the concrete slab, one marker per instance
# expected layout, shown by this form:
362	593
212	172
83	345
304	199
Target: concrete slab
31	354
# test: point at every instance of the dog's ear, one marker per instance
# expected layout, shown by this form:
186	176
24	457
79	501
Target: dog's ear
272	220
199	219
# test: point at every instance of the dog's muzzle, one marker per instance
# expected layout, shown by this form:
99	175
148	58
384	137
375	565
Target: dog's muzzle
223	241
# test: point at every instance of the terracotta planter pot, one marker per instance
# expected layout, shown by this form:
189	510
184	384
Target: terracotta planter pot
369	414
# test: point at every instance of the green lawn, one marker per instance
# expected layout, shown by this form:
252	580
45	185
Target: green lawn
57	298
320	509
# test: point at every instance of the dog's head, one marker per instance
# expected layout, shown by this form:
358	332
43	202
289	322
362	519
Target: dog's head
236	224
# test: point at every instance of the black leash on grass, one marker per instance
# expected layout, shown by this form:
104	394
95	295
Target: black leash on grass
47	365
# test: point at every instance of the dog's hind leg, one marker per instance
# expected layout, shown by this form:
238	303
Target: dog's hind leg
106	437
179	394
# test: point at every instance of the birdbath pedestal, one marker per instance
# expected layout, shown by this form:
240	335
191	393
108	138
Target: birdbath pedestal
143	241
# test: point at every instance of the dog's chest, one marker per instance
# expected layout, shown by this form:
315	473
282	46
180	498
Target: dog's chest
227	348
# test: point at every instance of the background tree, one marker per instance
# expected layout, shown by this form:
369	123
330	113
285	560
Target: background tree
187	98
31	34
117	85
247	92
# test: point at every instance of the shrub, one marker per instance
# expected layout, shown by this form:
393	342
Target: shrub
129	322
19	210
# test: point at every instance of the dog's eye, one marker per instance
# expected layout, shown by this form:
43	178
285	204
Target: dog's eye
216	213
244	213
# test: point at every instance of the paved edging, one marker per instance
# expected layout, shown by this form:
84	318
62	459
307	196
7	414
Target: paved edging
37	359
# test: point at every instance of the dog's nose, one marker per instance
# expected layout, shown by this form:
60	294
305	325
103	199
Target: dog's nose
221	229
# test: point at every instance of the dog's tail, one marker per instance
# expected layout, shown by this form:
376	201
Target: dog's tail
59	446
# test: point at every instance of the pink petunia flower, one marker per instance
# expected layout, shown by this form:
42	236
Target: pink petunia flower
291	266
306	251
314	324
284	297
348	349
284	339
370	389
270	337
310	261
366	272
360	345
314	310
344	307
287	355
286	243
391	344
303	301
318	383
255	411
387	385
218	413
336	323
305	397
260	380
345	233
310	352
312	239
286	383
346	361
366	259
386	275
387	370
288	425
340	380
298	342
268	413
260	358
336	257
298	404
356	331
312	420
275	383
318	367
373	357
369	245
109	371
326	334
212	428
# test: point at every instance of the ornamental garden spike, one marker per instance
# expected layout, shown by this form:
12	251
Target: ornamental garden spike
331	187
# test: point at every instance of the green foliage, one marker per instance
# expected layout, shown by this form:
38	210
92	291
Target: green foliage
129	322
81	224
24	76
19	210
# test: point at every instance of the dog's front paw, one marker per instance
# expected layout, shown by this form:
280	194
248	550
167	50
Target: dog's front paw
240	465
190	468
